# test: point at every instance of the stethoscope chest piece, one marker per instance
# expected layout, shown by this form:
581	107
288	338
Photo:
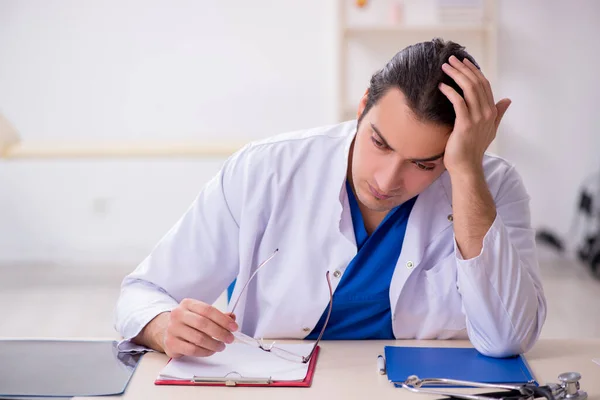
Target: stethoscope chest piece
569	388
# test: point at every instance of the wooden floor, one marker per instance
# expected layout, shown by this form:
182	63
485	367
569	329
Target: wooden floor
47	301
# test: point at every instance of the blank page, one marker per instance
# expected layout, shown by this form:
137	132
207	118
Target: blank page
240	360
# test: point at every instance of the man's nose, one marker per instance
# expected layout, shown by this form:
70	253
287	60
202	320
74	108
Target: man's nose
390	179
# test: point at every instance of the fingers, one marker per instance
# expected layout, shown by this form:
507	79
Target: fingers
460	108
475	86
197	329
231	315
211	313
502	106
470	89
177	347
203	324
199	339
476	77
486	84
463	68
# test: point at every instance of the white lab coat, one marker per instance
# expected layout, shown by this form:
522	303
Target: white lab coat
288	192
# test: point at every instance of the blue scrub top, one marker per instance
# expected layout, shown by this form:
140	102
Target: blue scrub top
361	302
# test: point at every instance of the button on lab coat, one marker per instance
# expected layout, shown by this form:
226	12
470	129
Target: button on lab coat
288	193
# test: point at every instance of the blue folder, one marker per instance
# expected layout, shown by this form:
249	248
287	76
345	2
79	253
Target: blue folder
454	363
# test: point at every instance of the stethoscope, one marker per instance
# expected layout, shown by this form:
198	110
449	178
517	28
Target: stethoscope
567	389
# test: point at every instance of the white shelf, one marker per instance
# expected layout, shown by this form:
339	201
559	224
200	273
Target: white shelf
406	29
37	150
8	135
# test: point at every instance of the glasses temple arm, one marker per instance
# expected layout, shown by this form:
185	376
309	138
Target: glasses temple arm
250	279
307	358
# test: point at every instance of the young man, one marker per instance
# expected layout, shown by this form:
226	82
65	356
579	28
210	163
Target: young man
423	234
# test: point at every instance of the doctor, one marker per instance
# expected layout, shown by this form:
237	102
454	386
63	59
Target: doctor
423	234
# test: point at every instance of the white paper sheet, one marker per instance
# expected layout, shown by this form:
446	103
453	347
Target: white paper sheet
596	360
240	360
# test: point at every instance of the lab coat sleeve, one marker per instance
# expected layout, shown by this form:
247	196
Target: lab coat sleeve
197	258
501	290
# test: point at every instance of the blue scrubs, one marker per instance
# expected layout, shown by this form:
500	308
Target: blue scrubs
361	302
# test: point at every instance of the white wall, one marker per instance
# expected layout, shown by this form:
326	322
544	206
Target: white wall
548	58
237	70
93	212
164	69
107	70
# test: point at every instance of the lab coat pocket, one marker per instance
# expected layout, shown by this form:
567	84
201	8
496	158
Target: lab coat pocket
442	293
441	277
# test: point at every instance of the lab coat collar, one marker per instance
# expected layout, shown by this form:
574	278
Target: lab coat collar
343	211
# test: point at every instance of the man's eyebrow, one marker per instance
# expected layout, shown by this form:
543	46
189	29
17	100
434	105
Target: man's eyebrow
381	136
433	158
428	158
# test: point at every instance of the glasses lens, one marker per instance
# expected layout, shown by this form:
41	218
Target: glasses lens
286	355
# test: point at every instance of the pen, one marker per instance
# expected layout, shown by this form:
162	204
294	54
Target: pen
380	365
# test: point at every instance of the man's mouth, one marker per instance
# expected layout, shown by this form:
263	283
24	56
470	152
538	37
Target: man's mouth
378	195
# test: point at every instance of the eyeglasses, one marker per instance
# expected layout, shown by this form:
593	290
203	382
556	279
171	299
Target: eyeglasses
271	347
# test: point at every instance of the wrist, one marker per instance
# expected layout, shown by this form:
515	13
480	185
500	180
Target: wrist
153	334
159	330
466	174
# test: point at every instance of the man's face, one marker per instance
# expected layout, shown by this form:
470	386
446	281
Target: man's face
394	156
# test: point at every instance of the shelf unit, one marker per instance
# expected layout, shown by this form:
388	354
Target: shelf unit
475	29
374	36
12	148
8	136
145	149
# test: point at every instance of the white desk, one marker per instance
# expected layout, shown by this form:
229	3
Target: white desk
348	370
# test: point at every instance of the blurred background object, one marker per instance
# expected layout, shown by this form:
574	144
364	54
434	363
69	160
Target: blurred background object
8	136
583	237
114	114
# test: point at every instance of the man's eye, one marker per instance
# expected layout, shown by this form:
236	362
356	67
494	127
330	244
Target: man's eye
424	167
377	143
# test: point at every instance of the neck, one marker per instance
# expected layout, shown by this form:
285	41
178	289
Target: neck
371	219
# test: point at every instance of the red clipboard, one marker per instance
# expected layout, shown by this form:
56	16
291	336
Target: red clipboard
241	382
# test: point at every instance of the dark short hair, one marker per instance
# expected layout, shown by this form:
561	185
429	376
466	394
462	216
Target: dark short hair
417	72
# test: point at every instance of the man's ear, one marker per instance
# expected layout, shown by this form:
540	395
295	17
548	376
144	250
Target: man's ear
362	104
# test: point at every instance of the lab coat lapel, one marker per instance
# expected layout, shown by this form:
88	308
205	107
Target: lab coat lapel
430	216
